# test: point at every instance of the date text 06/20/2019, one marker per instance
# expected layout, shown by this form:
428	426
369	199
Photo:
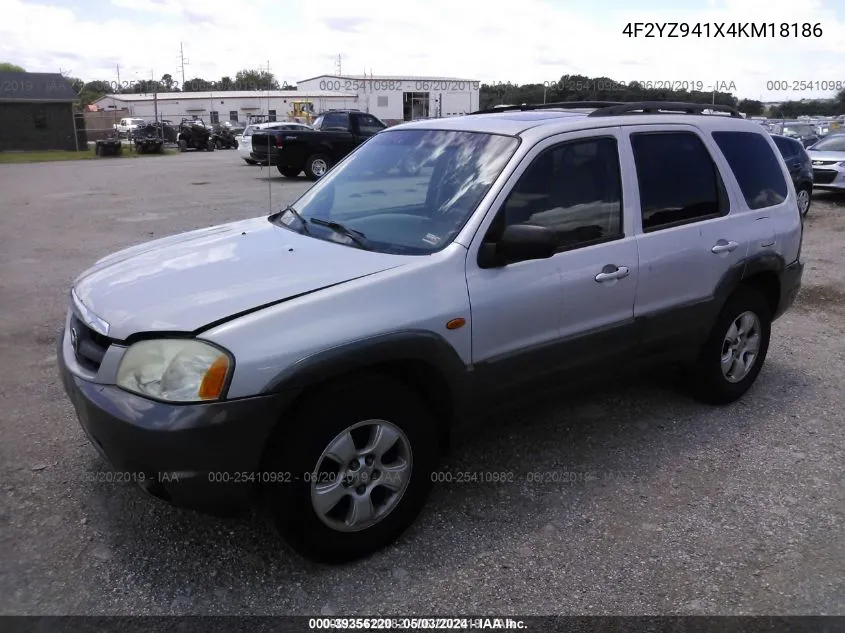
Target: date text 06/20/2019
723	29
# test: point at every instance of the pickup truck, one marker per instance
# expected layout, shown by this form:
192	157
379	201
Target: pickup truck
127	126
334	135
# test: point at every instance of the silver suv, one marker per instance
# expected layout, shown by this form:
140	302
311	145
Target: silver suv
323	355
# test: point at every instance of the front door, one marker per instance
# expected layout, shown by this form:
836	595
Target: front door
537	317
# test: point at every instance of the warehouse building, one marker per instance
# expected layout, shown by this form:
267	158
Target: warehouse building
220	106
36	112
398	98
393	99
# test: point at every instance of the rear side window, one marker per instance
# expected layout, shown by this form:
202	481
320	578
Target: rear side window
786	147
755	166
336	120
678	180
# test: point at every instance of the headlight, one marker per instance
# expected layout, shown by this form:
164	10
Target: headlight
179	370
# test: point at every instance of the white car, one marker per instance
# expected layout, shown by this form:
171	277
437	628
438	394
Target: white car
245	139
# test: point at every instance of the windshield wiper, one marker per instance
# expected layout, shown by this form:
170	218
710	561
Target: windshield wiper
356	236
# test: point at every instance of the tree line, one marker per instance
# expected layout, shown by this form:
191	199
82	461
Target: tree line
583	88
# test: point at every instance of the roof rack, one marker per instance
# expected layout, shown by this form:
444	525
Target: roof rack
616	108
550	106
663	107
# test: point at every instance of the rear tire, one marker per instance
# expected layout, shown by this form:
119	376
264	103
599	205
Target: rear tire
743	325
371	407
289	172
316	166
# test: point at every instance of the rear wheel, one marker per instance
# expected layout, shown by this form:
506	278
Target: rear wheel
733	355
289	172
361	455
316	166
210	146
804	199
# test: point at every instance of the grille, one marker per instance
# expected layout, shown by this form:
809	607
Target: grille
824	176
90	346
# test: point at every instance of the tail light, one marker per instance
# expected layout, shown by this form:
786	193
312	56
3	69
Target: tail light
279	142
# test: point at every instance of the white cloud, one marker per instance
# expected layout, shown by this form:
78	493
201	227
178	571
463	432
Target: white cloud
535	41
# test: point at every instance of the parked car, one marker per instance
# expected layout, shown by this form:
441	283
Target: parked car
334	135
327	352
828	161
798	163
804	132
127	126
245	140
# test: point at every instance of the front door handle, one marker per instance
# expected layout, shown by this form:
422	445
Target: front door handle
611	272
723	246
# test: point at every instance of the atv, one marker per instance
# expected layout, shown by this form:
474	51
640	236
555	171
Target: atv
224	138
148	139
109	146
193	134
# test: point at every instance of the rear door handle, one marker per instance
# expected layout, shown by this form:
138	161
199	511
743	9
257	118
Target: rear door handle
723	246
611	272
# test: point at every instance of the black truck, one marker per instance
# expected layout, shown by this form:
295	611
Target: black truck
334	134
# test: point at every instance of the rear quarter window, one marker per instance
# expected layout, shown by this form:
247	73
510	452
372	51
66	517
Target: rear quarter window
756	167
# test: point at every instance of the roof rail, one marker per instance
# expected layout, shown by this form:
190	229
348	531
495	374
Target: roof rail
663	107
550	106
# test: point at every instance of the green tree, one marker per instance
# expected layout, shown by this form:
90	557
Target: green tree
256	80
839	101
167	83
197	84
226	83
750	107
6	67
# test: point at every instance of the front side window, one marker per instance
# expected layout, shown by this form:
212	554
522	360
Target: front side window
755	166
574	189
405	191
678	180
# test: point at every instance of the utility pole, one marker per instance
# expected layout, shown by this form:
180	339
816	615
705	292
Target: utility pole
184	62
118	78
340	65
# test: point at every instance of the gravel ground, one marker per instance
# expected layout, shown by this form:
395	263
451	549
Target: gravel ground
655	504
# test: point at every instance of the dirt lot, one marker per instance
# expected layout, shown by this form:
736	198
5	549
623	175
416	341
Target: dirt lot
689	509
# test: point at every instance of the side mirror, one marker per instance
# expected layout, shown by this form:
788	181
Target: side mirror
519	242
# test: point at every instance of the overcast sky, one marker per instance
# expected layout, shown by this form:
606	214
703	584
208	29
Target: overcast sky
519	42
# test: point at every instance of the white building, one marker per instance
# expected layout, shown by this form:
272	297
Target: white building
235	105
397	98
393	99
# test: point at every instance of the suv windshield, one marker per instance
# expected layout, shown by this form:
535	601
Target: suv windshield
406	191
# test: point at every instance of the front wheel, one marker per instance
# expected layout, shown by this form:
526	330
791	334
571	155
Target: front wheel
183	145
210	146
289	172
804	199
249	161
733	355
316	166
361	454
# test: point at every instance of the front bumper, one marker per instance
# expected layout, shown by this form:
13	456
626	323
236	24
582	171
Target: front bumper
202	456
830	179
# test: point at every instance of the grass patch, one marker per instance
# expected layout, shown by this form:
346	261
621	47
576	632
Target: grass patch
49	156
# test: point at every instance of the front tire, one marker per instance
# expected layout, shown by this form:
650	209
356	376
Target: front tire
183	145
316	166
361	454
733	355
249	161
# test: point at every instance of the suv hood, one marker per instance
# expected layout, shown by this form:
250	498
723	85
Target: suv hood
816	154
184	282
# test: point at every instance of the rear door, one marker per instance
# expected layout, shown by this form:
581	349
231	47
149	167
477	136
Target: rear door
342	140
692	230
791	156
